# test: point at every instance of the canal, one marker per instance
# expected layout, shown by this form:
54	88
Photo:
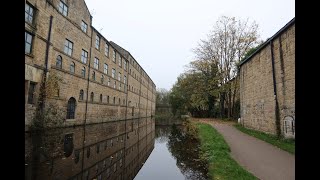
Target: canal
120	150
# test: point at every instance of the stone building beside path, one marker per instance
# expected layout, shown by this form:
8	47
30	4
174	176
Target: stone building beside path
267	85
101	81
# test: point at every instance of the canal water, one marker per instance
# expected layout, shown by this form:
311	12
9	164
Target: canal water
129	149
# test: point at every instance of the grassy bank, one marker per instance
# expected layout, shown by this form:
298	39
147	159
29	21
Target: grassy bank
284	144
217	152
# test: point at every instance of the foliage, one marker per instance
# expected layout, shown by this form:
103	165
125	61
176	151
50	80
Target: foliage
282	143
48	114
162	96
211	79
217	152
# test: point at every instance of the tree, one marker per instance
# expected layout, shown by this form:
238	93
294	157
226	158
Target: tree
224	47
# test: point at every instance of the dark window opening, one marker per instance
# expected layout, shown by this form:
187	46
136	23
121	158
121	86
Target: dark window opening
71	108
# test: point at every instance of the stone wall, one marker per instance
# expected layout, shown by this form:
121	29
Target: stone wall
257	97
136	95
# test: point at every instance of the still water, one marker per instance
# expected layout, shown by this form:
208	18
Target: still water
130	149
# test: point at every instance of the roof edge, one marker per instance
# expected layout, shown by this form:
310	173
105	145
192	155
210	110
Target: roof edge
289	24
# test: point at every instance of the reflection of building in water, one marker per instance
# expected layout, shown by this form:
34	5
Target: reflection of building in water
101	81
114	150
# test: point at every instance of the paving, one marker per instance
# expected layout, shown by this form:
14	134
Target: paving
260	158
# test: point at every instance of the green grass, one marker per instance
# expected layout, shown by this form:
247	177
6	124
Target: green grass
284	144
216	151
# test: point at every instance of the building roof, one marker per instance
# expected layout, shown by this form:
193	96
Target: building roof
289	24
127	54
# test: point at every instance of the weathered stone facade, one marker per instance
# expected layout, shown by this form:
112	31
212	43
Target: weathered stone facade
267	85
130	98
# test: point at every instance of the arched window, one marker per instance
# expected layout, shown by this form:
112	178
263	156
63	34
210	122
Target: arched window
114	100
81	95
92	96
59	62
102	78
72	67
94	75
71	108
100	97
107	99
83	72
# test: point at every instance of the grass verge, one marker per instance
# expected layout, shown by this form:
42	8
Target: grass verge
284	144
216	152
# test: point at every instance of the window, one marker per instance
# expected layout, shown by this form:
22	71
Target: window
105	69
114	56
71	108
100	97
119	86
68	46
84	26
63	8
29	11
28	42
119	76
102	79
84	56
106	50
92	96
83	72
113	73
107	102
108	81
115	84
96	63
31	92
81	95
97	42
125	79
72	67
120	61
125	65
59	62
94	75
114	102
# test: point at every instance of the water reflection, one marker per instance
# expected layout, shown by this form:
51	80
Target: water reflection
175	156
114	150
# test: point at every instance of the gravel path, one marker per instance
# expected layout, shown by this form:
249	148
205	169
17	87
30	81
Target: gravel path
262	159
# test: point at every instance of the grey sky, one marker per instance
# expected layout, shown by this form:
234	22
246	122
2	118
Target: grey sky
160	34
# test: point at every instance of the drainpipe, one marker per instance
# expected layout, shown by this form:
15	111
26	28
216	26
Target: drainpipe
85	114
43	98
277	113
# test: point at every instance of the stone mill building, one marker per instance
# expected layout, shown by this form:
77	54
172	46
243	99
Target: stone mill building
101	81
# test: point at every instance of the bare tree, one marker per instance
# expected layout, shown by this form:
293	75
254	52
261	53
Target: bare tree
224	47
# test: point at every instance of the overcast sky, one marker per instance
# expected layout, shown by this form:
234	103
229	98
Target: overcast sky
161	34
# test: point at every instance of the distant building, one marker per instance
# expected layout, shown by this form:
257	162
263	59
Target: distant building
101	80
267	85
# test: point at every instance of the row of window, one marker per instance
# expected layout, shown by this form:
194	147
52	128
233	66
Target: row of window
114	54
81	97
63	9
101	168
83	72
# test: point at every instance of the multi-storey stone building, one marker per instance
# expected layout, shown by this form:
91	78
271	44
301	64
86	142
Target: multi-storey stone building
100	80
267	85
